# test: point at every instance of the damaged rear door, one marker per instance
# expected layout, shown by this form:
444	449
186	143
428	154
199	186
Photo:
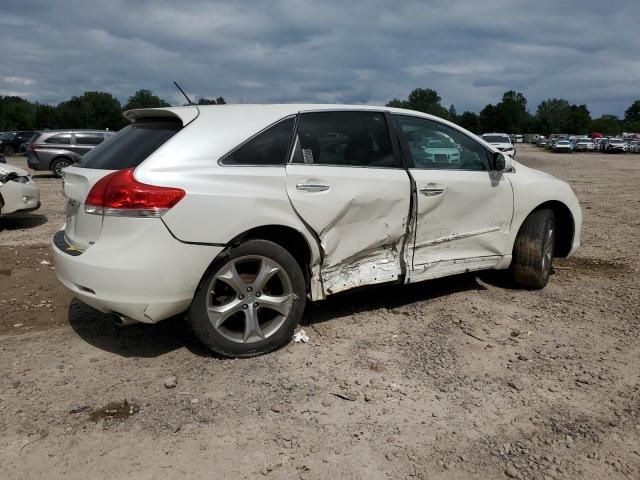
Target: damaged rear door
346	181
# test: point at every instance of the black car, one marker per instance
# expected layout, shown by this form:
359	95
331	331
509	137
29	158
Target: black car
14	142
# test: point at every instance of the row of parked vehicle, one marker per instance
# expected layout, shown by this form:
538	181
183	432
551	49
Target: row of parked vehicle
51	150
562	144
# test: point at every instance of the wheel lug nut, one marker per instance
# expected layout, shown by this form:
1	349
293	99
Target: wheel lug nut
249	289
245	306
255	304
240	296
258	294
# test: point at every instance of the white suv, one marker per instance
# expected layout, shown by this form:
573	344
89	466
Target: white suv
239	214
501	141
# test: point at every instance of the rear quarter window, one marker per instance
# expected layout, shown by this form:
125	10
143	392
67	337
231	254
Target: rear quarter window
89	138
131	145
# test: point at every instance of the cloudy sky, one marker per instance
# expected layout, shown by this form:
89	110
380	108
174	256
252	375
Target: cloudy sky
470	51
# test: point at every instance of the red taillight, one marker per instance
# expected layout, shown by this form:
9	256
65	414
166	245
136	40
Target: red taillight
31	147
120	194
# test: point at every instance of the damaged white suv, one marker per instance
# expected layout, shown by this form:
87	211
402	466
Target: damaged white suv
240	214
18	191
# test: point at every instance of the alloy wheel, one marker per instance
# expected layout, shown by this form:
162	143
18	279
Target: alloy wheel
59	166
249	299
547	253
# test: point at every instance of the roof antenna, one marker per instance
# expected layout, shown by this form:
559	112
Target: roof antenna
185	95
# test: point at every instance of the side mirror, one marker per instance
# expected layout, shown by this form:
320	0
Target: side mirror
499	162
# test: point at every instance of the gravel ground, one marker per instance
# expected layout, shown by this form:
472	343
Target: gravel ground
457	378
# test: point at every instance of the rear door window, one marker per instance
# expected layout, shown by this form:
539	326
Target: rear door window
131	145
350	139
60	139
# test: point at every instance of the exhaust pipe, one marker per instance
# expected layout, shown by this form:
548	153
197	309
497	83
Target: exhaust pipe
122	321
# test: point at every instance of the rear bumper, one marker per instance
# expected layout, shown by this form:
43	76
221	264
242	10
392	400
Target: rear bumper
33	162
135	269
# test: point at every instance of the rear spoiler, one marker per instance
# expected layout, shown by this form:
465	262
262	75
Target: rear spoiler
185	114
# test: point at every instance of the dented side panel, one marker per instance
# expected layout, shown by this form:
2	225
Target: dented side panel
360	220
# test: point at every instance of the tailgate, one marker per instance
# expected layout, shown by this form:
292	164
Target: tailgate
81	229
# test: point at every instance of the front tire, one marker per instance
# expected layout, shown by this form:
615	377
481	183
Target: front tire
251	301
533	250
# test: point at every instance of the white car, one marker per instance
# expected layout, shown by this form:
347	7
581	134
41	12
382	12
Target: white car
502	142
18	191
584	145
240	214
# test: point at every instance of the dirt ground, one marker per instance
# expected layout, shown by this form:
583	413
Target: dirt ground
457	378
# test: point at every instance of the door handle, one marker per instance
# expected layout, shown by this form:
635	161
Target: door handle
432	190
312	187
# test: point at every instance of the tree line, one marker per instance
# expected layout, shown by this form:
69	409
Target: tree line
101	110
97	110
510	115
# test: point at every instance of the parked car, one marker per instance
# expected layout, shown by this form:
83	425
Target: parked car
542	142
518	138
615	145
14	142
634	146
239	215
55	150
584	145
563	146
18	191
501	141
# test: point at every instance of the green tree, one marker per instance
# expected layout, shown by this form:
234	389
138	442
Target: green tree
216	101
553	115
423	100
16	114
453	113
632	114
511	113
470	121
489	119
396	103
579	120
145	99
607	124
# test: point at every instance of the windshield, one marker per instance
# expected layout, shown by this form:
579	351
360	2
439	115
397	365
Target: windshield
7	136
496	139
616	141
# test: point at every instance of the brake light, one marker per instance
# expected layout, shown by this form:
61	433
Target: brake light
120	194
31	147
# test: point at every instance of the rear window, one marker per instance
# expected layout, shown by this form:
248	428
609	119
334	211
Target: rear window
131	145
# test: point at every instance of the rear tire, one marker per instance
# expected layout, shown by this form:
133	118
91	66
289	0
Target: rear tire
58	164
533	250
250	301
8	151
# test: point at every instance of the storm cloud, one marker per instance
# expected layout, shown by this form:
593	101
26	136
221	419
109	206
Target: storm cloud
586	51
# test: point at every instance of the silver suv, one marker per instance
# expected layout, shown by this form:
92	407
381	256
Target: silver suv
56	149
